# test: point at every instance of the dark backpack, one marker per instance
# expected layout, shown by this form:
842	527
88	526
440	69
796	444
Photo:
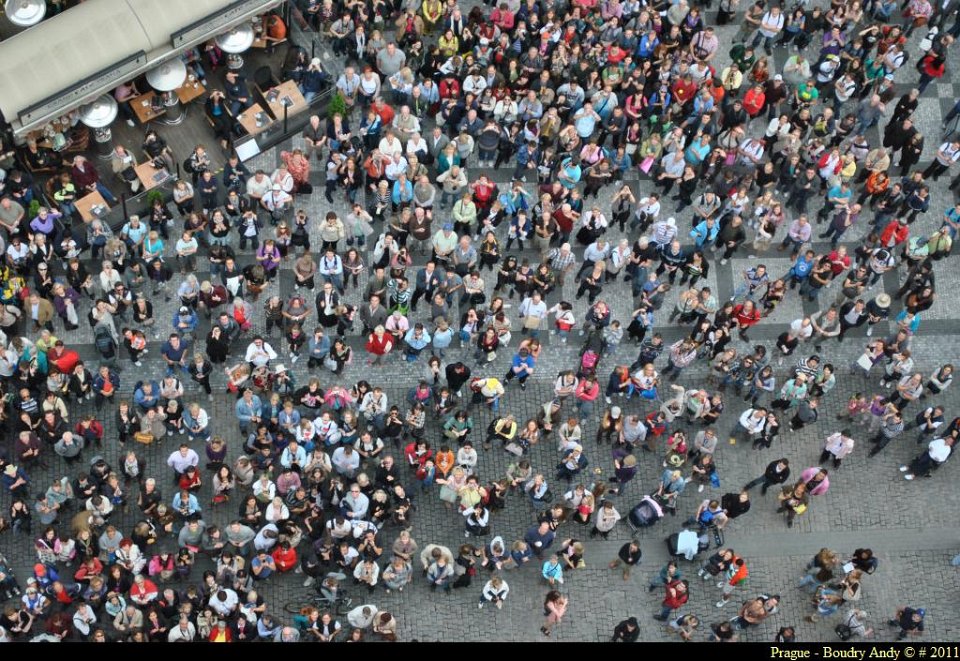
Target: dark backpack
104	341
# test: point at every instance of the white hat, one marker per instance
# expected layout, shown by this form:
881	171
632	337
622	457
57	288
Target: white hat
281	368
672	222
615	412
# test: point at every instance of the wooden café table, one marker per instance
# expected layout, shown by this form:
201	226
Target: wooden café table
285	94
143	107
86	205
248	119
190	91
149	176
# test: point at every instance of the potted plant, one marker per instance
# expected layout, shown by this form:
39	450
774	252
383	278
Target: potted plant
337	105
153	196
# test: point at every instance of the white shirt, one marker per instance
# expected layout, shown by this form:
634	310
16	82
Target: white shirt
799	330
947	155
260	356
938	450
770	25
180	463
285	180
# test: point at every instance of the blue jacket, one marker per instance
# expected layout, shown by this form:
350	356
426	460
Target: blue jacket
98	381
145	401
702	234
246	411
319	350
191	320
401	193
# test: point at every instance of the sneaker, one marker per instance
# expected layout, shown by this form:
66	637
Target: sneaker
131	123
563	340
908	477
310	581
700	488
144	352
723	262
720	604
870	331
500	605
169	433
466	534
294	358
480	606
138	364
720	585
904	469
607	400
582	333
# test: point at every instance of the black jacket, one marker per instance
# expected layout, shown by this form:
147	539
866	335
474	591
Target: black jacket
773	476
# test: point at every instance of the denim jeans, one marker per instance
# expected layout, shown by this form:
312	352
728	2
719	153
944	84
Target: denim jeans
107	195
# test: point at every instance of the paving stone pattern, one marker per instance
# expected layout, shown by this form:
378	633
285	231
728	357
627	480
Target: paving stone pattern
911	526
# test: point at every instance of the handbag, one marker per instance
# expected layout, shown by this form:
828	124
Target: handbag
143	437
531	322
843	630
800	509
514	449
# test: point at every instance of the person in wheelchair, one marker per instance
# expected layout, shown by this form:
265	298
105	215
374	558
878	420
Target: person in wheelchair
710	516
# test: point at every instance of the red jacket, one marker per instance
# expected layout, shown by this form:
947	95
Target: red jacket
894	230
683	91
753	102
286	559
216	631
932	65
674	598
744	319
449	88
413	459
95	428
379	346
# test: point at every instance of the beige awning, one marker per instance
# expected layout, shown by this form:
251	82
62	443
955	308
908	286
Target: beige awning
74	57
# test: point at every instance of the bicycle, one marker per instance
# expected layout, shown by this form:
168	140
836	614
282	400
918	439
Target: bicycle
329	596
341	605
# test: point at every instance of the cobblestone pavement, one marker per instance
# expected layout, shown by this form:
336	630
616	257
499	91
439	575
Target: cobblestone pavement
911	526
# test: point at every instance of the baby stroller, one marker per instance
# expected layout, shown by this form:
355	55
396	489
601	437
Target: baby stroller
590	354
645	514
687	544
